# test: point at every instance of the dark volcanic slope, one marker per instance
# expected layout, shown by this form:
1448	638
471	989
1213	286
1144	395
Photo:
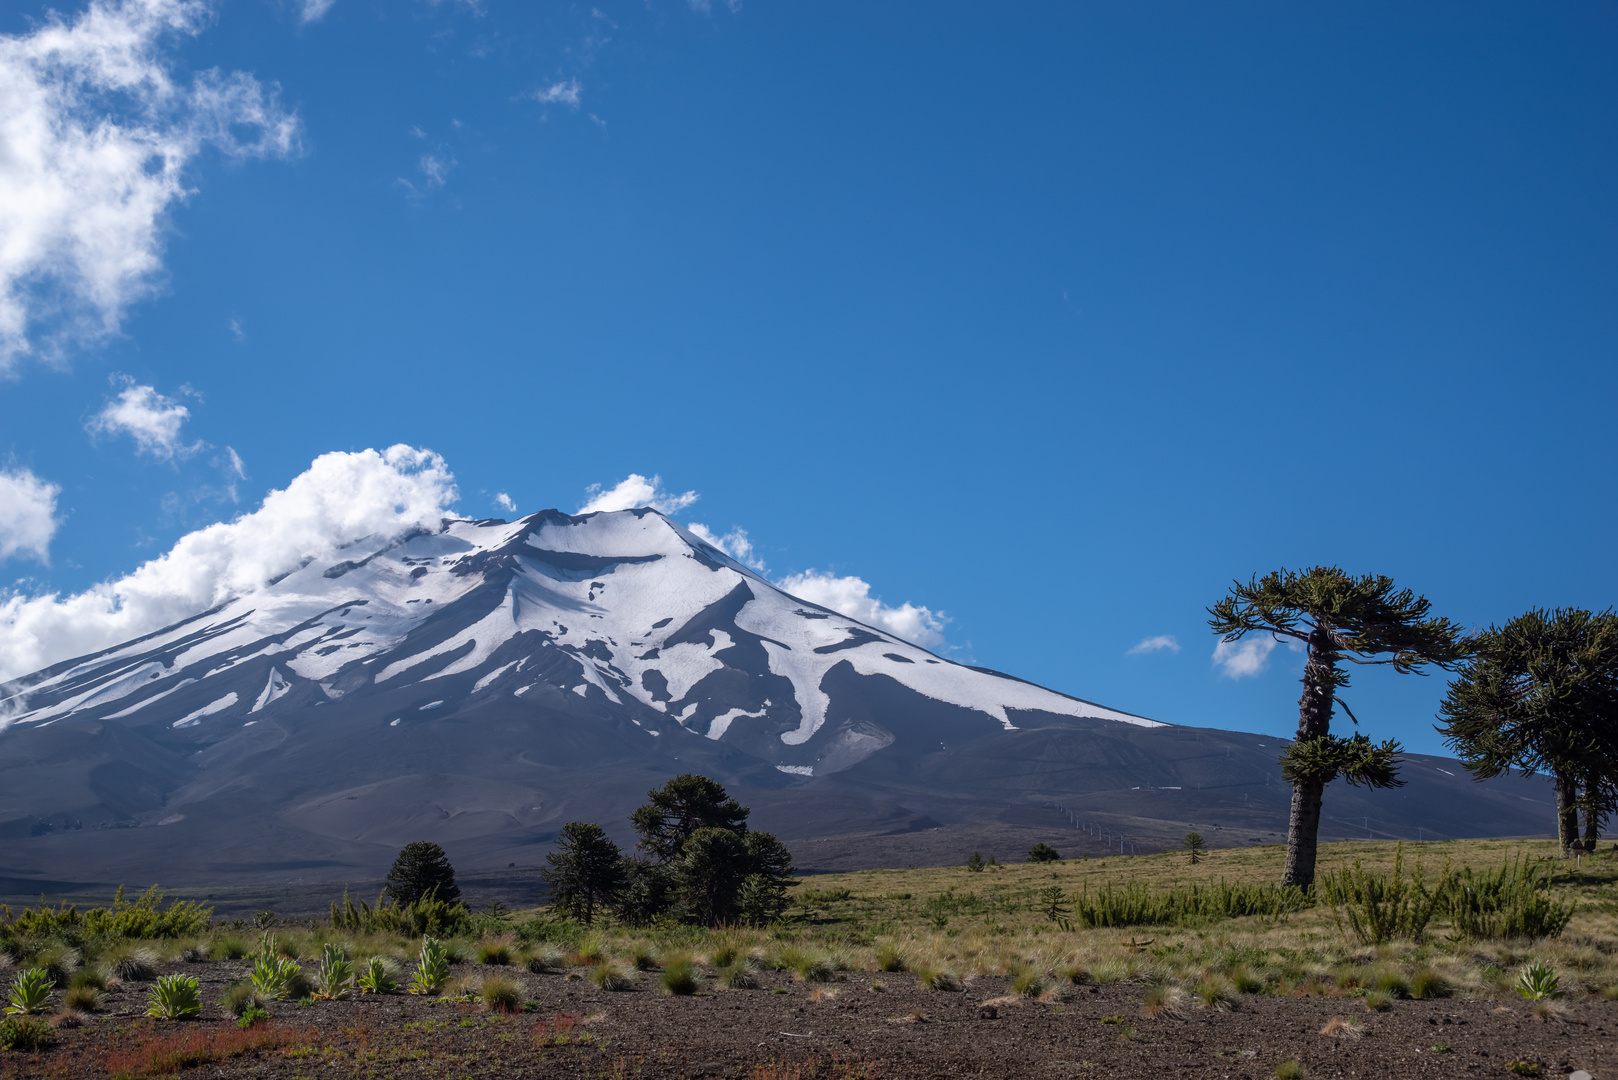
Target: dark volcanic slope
482	685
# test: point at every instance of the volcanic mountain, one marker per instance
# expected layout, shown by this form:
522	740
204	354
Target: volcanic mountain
481	684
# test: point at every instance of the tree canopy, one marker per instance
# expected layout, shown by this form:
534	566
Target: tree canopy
585	872
422	869
679	808
1542	695
1337	617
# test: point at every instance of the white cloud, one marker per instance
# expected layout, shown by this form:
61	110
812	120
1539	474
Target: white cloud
436	169
1240	659
706	6
633	491
313	10
152	420
237	331
27	514
1156	644
505	502
342	497
567	92
97	135
735	543
852	597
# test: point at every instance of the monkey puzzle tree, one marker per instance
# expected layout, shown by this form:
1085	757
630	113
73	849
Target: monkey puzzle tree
422	870
1337	618
1542	695
585	872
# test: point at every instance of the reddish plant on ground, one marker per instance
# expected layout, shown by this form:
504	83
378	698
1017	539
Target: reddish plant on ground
167	1054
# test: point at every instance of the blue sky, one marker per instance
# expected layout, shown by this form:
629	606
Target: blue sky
1051	320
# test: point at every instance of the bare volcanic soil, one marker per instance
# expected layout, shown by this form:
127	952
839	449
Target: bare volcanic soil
859	1025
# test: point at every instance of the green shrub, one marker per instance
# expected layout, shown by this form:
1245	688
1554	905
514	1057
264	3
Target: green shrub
233	948
644	958
611	978
377	977
133	963
1427	983
334	980
1290	1069
554	930
1216	993
935	979
427	915
680	977
546	960
1381	907
58	960
142	919
243	997
889	958
500	994
30	992
81	998
1043	852
1029	983
1393	984
1513	901
1539	982
496	953
174	997
738	976
432	968
276	977
25	1033
251	1017
1245	981
1378	1000
1137	904
89	975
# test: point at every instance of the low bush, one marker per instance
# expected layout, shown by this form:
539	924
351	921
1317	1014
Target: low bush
495	952
30	993
500	994
25	1033
58	960
334	980
1381	907
141	919
132	963
738	976
1426	983
83	998
1513	901
680	977
165	1055
377	977
611	978
425	916
243	997
174	997
432	968
277	977
1136	904
889	958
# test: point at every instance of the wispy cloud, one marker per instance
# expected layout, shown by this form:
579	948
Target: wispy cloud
1159	643
633	491
1243	659
852	596
27	514
505	502
152	420
313	10
98	133
567	92
735	543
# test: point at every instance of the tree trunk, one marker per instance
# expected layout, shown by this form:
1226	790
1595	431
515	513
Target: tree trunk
1592	816
1314	720
1567	814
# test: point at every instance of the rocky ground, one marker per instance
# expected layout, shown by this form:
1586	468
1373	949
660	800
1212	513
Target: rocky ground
859	1025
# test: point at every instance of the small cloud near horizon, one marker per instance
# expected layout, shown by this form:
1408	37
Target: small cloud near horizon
1156	644
1243	659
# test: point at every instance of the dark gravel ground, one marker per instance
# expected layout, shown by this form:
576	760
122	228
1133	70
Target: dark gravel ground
862	1025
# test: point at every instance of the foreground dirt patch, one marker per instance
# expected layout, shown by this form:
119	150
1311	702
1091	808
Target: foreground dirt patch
863	1025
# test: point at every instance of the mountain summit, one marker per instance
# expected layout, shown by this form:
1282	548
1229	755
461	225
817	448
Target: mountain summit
483	683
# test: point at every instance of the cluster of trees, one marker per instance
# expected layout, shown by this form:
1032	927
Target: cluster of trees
699	863
1539	694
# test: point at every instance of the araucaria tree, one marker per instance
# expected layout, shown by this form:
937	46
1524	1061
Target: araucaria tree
585	872
1337	618
1542	695
422	870
704	861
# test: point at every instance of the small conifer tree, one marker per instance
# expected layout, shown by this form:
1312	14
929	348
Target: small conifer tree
1194	846
1043	852
975	863
422	869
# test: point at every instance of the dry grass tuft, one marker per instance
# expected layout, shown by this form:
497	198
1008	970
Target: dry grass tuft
1339	1027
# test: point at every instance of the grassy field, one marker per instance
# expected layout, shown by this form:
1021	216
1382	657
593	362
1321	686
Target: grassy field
949	925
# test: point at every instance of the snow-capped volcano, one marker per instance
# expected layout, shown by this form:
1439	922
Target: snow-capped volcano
627	607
